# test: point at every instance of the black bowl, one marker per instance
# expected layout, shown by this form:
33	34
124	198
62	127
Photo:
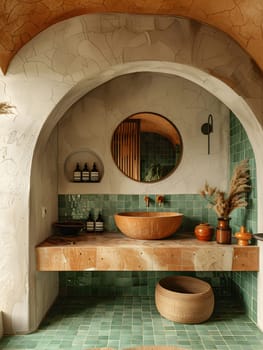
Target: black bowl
68	228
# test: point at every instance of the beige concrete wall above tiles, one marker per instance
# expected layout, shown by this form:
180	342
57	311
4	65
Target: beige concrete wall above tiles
90	123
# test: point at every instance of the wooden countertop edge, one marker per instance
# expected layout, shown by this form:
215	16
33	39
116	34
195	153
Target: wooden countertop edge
116	252
110	239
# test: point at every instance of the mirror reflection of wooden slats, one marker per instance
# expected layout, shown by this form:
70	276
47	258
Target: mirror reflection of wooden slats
146	147
126	148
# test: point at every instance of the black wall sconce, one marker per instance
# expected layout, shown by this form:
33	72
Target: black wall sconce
207	129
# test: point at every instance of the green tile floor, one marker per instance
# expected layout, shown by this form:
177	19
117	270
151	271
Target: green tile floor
121	322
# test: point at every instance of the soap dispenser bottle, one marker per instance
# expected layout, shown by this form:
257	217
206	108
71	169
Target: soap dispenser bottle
94	174
99	224
90	225
77	173
85	176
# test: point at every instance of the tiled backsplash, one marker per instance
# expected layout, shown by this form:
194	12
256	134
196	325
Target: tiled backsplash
240	148
244	283
194	208
132	283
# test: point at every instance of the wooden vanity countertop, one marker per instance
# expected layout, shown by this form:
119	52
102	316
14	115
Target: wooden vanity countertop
116	252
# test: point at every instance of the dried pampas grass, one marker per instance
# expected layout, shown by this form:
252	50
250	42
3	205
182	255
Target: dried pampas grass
224	204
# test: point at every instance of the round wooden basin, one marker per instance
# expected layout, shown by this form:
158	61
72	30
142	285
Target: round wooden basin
148	225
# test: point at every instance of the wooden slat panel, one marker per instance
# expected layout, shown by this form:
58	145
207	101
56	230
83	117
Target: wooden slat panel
126	148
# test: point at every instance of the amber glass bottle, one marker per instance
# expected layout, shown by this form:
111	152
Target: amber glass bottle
85	175
223	231
90	225
77	174
94	174
99	224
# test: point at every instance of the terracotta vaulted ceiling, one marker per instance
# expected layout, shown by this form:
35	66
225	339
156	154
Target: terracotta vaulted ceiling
21	20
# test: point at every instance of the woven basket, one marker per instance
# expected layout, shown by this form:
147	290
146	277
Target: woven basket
184	299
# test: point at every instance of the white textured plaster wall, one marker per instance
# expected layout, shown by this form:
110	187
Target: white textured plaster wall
91	122
62	64
43	212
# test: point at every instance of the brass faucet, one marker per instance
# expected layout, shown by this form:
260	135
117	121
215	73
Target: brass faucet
147	201
159	199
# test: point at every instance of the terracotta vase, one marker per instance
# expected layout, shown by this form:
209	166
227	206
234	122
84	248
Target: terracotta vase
204	232
223	231
184	299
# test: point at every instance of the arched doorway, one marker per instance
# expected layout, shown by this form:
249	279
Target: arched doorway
225	94
50	74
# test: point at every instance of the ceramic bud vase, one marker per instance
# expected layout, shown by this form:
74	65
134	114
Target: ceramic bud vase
243	237
223	231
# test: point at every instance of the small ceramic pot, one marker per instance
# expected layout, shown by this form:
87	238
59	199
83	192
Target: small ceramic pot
204	232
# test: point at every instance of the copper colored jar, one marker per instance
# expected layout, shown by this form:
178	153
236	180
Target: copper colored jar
223	231
204	232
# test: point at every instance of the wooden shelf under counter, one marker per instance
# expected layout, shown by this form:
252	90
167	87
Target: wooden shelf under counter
116	252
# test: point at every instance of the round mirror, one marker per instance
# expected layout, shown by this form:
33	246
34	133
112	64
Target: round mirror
146	147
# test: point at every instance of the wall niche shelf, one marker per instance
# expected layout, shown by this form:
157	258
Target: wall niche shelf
82	157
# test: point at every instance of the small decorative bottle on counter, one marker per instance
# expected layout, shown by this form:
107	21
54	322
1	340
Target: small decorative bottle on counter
243	237
99	224
77	174
90	225
94	174
223	231
85	176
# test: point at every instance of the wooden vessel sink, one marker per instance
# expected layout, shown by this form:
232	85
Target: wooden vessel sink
148	225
